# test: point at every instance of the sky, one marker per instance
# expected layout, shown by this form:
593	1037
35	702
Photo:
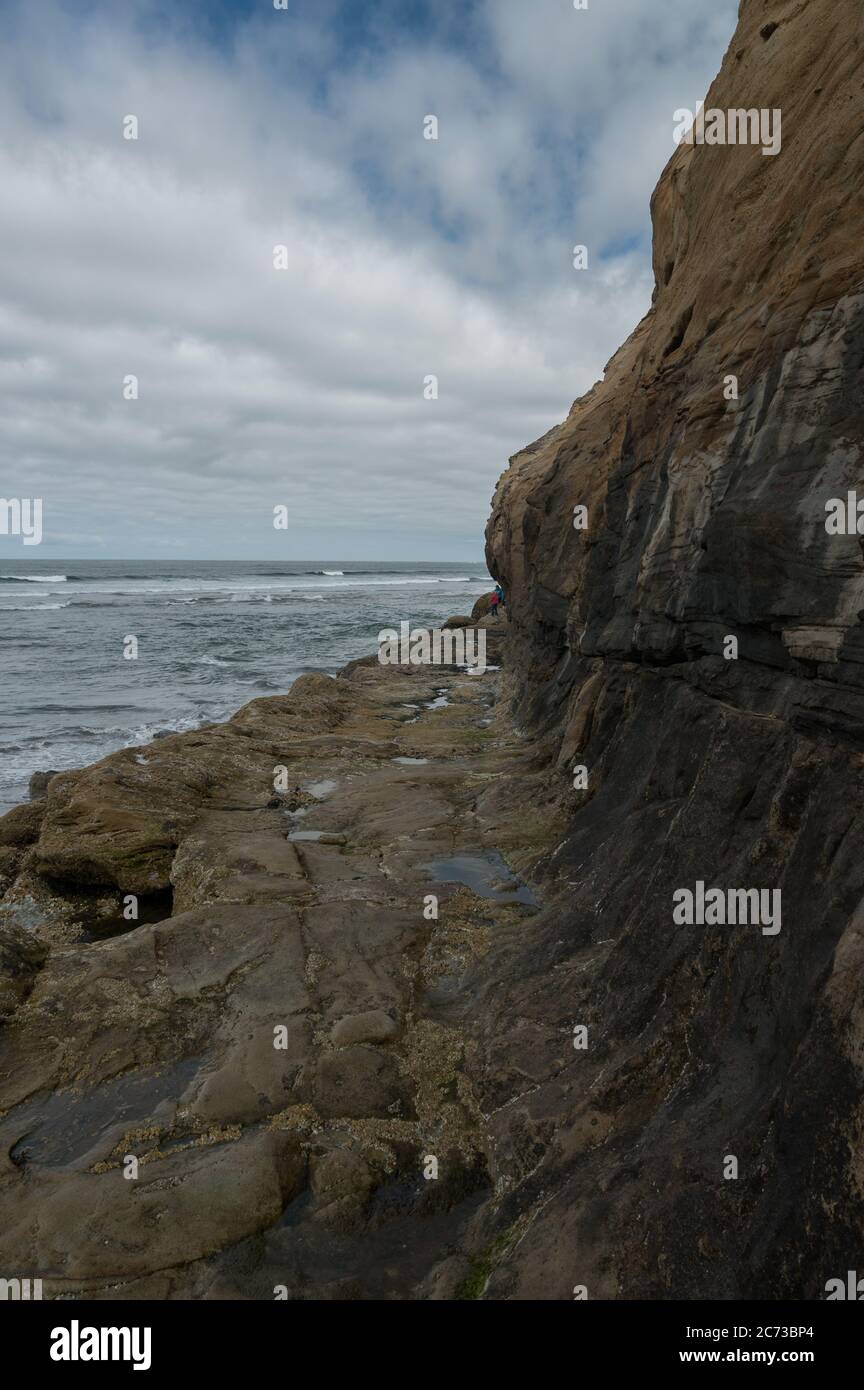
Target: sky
299	379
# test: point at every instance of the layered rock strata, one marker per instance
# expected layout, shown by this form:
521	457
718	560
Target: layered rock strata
736	764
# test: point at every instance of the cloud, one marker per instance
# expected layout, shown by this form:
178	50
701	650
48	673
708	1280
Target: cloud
303	386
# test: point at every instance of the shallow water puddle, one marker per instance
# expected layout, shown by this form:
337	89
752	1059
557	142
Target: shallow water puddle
320	790
324	837
24	913
63	1127
486	874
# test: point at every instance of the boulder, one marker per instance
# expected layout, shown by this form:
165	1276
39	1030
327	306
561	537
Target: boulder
372	1027
356	1082
39	783
21	825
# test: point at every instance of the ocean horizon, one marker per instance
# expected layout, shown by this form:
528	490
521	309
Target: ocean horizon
212	635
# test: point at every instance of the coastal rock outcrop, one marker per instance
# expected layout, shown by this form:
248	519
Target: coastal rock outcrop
382	984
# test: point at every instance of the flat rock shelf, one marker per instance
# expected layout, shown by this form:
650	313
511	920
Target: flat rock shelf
283	1050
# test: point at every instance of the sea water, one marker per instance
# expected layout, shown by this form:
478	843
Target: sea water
211	636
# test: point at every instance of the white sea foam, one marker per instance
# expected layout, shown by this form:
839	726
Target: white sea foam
31	607
35	578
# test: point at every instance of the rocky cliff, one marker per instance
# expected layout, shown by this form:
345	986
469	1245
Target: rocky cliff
735	764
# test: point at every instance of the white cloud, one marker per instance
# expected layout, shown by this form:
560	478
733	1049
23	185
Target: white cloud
406	258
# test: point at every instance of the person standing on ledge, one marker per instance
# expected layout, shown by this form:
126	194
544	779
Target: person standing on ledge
498	600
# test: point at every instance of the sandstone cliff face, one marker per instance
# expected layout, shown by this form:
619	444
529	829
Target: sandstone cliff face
706	519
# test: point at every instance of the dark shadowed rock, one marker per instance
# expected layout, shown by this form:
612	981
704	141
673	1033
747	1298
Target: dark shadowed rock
22	825
21	958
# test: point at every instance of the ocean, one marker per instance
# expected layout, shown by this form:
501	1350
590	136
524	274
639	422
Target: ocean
211	636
